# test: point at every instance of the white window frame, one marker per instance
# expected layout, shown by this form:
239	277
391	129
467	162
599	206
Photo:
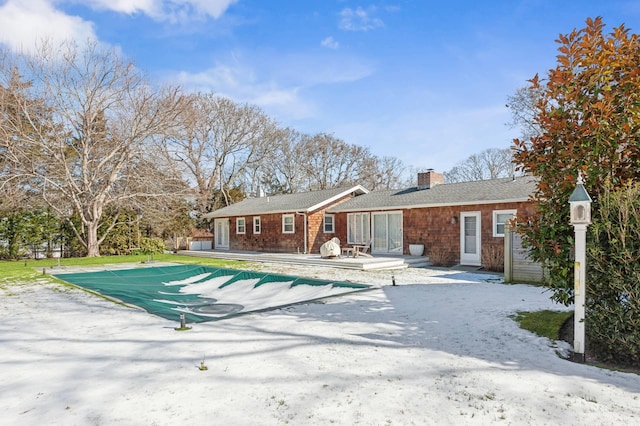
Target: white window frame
386	237
362	221
285	224
241	225
332	224
257	225
497	223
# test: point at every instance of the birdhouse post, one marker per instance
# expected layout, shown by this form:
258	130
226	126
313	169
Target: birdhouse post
580	218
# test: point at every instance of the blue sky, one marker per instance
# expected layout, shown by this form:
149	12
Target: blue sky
420	80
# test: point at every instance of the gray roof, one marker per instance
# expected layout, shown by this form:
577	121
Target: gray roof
449	194
287	203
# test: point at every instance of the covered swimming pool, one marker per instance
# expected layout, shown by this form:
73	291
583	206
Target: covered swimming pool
204	293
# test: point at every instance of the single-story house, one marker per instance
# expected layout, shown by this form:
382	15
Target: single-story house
289	223
454	222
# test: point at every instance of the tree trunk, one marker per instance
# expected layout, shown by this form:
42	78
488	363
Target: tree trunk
93	249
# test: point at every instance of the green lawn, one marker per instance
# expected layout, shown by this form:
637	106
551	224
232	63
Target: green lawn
16	271
543	323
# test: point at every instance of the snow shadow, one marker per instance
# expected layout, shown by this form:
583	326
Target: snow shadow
466	320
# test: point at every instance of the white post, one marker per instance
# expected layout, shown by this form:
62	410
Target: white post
580	218
579	291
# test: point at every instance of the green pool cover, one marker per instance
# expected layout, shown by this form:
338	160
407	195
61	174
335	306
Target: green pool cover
205	293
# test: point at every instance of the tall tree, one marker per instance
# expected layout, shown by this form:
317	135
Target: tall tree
588	115
83	154
386	173
303	162
283	173
217	143
491	163
15	195
522	105
331	162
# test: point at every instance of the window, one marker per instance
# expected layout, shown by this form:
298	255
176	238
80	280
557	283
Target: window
328	224
287	224
358	228
241	225
256	224
500	218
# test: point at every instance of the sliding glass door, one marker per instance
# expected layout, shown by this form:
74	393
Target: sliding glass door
387	232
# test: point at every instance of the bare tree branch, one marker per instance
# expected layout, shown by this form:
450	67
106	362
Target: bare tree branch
91	117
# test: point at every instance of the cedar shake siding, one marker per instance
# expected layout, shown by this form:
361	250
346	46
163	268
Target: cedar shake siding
271	238
431	213
437	229
271	209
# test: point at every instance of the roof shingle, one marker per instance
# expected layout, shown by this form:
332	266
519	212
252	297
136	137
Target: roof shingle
477	192
286	203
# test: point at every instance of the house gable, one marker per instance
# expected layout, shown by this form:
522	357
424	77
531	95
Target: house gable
303	232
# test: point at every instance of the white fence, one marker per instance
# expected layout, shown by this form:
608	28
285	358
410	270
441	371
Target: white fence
200	245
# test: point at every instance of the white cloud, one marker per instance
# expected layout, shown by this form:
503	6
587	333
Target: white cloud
239	83
129	7
359	19
281	85
25	23
213	8
165	10
330	43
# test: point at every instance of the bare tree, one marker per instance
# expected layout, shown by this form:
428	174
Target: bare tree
308	162
283	173
387	173
491	163
88	150
523	111
217	143
331	162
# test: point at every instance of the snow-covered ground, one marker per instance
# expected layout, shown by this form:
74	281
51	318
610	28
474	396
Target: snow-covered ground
438	348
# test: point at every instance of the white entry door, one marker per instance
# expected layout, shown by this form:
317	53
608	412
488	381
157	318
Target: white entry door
222	233
470	238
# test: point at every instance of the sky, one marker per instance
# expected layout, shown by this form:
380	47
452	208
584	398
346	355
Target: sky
424	81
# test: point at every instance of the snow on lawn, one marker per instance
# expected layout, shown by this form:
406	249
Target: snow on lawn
438	348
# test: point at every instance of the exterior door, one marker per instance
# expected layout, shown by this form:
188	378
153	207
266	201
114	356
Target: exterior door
470	238
387	233
221	233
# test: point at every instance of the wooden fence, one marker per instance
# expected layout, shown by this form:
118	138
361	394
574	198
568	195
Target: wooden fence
518	267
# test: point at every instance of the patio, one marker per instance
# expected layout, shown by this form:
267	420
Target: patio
359	263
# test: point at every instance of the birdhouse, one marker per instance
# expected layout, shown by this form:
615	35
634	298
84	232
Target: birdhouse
580	205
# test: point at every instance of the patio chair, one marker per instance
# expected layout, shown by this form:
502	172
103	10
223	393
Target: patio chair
361	250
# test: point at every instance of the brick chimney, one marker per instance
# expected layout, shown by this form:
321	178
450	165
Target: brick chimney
429	179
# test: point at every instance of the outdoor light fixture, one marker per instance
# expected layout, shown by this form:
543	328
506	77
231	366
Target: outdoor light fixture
454	219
